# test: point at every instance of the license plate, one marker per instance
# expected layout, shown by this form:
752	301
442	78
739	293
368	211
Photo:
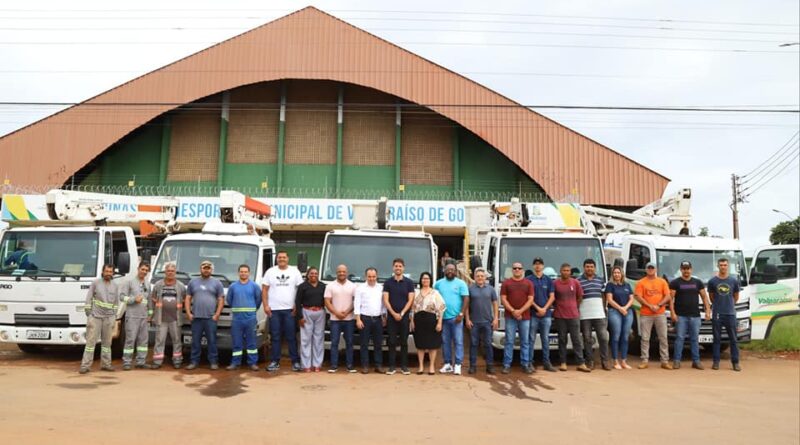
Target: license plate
37	335
705	339
553	341
187	340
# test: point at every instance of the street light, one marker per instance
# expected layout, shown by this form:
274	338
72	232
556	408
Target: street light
783	213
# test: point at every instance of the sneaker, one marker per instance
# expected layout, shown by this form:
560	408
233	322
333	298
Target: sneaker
490	370
365	370
667	366
140	366
548	367
676	365
83	370
351	370
296	367
405	371
232	367
643	365
584	368
214	366
697	365
506	369
590	365
528	369
273	366
175	365
380	370
563	367
333	370
715	366
191	366
108	368
254	368
391	371
736	367
446	369
471	370
457	370
126	367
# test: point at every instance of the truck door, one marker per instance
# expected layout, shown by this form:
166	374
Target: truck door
116	244
638	255
775	286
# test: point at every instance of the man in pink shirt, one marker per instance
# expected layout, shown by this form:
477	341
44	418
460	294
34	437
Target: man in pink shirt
339	297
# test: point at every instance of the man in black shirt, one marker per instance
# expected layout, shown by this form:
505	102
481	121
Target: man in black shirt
685	312
398	296
310	313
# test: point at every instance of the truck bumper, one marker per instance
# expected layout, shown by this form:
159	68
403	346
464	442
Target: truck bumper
73	335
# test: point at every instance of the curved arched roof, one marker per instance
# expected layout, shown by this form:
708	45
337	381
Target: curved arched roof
310	44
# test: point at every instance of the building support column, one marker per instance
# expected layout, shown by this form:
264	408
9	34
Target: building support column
339	139
223	137
456	161
398	134
281	137
163	163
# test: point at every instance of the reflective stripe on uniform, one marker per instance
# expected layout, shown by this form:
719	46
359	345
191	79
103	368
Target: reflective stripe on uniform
90	348
127	351
243	309
149	312
252	351
237	353
158	356
104	349
104	305
177	354
141	348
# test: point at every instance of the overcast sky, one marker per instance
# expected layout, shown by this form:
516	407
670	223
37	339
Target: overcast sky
627	53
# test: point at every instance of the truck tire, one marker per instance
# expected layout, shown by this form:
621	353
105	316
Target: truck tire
30	349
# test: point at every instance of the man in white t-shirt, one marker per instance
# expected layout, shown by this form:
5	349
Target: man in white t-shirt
278	290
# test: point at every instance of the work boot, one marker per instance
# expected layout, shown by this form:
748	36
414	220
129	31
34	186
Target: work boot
365	370
214	366
232	367
174	365
676	365
528	369
108	368
590	365
697	365
471	370
563	367
583	368
736	367
254	367
126	367
380	370
83	371
156	366
191	366
606	366
141	366
506	370
643	365
715	366
667	366
548	367
490	370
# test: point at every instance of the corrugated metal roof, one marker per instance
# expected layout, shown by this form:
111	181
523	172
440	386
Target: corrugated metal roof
310	44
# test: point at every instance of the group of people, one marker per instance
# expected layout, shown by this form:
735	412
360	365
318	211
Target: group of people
435	312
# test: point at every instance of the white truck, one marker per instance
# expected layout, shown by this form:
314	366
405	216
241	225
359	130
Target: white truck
241	236
47	267
774	286
370	243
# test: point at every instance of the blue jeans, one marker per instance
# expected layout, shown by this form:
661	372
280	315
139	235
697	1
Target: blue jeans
619	327
243	333
347	327
281	326
207	327
729	323
692	326
373	330
524	327
452	333
481	331
541	326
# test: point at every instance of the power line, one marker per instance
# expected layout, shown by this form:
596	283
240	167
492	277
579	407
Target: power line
759	166
781	163
778	173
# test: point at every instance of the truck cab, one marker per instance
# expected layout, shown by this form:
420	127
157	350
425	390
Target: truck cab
774	286
667	252
226	245
44	276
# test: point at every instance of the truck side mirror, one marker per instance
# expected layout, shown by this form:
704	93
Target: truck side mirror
474	263
770	274
302	261
608	272
632	270
123	263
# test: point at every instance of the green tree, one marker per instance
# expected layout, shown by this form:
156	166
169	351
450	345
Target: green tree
786	232
703	231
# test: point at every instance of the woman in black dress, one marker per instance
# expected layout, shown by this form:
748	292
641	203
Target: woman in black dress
427	322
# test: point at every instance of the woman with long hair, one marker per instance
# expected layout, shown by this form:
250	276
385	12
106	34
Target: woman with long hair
427	322
619	296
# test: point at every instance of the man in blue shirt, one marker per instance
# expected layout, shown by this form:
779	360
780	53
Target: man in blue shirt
541	311
244	299
20	258
398	296
454	292
203	306
723	290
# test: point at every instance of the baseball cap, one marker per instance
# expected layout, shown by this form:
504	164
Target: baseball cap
206	263
538	259
649	265
686	265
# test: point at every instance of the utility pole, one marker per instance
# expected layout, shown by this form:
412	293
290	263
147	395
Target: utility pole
735	204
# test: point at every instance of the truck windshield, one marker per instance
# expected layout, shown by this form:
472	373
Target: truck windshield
187	255
554	252
704	263
360	252
49	254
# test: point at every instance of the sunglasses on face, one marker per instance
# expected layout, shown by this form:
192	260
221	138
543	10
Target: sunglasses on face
516	268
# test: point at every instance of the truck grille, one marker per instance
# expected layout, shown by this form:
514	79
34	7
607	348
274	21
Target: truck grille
57	320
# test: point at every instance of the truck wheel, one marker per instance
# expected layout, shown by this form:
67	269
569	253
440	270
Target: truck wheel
30	349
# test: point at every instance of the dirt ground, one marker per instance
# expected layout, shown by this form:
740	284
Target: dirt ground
46	401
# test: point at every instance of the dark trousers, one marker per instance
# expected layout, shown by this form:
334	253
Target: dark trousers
373	330
729	323
338	327
481	331
600	326
207	327
281	326
398	335
571	326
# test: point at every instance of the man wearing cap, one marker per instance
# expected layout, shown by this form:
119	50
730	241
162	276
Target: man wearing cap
652	292
686	291
541	311
204	301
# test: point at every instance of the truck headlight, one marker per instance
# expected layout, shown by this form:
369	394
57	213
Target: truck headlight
80	308
3	307
743	325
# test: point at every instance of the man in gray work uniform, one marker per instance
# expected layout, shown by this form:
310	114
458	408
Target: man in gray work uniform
135	293
101	314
